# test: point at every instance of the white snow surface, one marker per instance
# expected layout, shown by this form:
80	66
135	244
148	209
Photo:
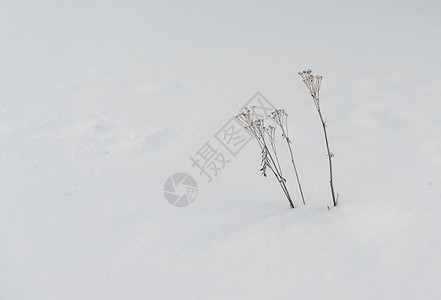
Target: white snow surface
102	101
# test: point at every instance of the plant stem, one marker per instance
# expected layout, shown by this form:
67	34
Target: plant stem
280	178
295	169
334	200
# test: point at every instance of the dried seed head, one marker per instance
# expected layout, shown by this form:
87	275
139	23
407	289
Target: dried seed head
312	82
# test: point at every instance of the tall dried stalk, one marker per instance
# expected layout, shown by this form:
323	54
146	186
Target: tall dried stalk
280	117
261	133
313	83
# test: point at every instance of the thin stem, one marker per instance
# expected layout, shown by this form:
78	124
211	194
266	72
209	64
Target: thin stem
273	146
280	117
295	169
334	200
279	177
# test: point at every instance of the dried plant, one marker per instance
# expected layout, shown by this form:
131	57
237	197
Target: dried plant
313	84
280	117
263	135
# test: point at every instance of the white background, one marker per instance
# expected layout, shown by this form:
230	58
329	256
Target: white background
101	101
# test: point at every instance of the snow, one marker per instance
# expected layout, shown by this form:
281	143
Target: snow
102	102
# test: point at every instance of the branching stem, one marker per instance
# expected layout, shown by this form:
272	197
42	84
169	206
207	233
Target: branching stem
259	131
